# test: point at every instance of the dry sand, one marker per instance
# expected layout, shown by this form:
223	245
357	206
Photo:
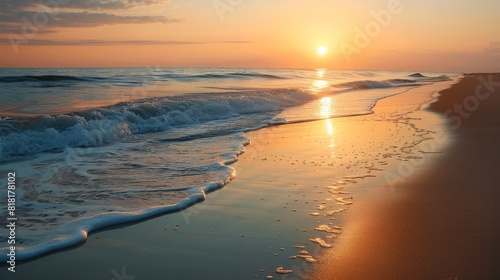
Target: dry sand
445	224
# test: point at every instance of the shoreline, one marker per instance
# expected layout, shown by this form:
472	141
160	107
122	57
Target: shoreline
444	223
261	211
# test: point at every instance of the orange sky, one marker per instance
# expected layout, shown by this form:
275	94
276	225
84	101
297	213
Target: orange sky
460	35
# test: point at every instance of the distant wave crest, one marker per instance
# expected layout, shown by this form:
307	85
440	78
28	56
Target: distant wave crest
369	84
418	79
422	77
233	75
46	78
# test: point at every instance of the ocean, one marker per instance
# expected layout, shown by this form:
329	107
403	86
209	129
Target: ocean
93	148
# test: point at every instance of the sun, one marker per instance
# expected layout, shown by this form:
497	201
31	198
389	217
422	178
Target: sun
322	50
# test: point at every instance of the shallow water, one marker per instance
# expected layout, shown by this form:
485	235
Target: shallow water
97	147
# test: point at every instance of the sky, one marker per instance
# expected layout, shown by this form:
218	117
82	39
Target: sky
423	35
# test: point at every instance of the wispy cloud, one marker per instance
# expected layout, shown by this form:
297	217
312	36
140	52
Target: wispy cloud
78	4
41	42
492	48
83	19
6	29
82	13
111	4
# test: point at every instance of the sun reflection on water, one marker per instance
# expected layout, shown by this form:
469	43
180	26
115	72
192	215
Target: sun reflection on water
320	73
319	84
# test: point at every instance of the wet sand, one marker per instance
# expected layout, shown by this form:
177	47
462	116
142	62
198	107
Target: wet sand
444	224
295	183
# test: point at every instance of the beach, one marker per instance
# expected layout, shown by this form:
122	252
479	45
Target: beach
244	140
295	183
444	223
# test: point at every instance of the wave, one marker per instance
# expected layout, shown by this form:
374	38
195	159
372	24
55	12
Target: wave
418	80
422	77
258	75
371	84
48	81
117	123
77	231
417	75
233	75
47	78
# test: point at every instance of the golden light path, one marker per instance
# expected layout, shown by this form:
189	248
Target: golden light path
325	110
319	83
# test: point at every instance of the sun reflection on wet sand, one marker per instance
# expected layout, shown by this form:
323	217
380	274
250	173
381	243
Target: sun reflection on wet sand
329	127
325	110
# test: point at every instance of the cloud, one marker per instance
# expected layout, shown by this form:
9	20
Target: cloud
78	4
110	4
492	48
48	15
6	29
77	19
41	42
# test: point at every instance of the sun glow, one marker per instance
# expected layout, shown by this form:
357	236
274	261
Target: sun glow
322	50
